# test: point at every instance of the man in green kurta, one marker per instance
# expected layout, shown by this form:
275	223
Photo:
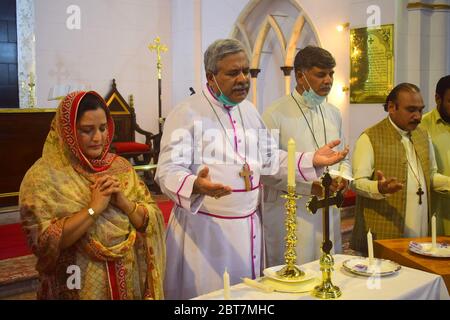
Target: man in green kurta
437	123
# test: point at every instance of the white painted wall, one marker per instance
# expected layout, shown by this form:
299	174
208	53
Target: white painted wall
114	36
425	45
217	18
326	15
438	51
112	43
187	51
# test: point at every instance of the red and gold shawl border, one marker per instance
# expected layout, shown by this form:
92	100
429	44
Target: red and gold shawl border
68	131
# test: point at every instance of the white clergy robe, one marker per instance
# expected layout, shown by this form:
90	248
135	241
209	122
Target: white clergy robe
416	216
205	235
285	115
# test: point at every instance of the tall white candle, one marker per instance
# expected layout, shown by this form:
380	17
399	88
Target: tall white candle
226	285
370	247
433	231
291	163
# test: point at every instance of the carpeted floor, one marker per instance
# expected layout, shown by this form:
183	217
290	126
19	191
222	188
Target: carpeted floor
18	268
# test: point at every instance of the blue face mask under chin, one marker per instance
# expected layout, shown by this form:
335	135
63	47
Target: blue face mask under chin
223	98
312	98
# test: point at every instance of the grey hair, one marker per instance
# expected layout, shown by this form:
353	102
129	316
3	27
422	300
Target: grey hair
218	50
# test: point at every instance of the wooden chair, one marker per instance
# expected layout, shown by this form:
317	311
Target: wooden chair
124	141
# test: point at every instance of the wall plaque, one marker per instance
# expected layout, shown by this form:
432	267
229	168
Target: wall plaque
371	64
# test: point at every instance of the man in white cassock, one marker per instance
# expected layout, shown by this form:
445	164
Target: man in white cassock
305	116
214	152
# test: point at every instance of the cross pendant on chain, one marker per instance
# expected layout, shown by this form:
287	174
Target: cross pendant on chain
420	193
246	173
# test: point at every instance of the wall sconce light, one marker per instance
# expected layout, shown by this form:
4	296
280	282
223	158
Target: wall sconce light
343	26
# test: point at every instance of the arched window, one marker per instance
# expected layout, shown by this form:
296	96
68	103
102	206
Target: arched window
273	31
9	84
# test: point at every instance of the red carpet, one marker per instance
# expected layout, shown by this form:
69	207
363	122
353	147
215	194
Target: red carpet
13	242
166	208
349	198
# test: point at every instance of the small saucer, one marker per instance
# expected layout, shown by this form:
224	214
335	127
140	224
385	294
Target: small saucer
379	267
442	250
272	273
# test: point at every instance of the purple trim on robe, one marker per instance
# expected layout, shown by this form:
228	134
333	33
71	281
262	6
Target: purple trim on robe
237	151
227	217
179	189
252	189
252	248
234	134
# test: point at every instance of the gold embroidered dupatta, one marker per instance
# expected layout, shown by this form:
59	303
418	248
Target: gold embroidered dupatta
116	261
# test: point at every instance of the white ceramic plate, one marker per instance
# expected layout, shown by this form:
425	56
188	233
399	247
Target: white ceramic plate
272	273
380	267
442	250
292	287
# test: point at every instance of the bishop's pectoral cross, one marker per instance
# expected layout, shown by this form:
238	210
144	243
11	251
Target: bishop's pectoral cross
246	173
420	193
314	204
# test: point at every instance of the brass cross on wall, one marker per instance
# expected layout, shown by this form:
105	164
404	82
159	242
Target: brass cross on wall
315	203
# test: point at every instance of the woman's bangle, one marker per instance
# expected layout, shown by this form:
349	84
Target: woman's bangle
134	210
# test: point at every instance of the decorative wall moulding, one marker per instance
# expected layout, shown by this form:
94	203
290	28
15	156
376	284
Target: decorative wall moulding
428	6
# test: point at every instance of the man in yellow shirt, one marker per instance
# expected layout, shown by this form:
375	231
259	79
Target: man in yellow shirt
437	123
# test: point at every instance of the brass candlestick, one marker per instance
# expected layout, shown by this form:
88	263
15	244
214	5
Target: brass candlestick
290	270
326	290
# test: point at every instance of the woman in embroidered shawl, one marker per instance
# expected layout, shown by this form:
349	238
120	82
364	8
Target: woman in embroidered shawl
88	217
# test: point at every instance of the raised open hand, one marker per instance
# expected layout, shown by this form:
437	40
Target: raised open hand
389	185
326	156
203	185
